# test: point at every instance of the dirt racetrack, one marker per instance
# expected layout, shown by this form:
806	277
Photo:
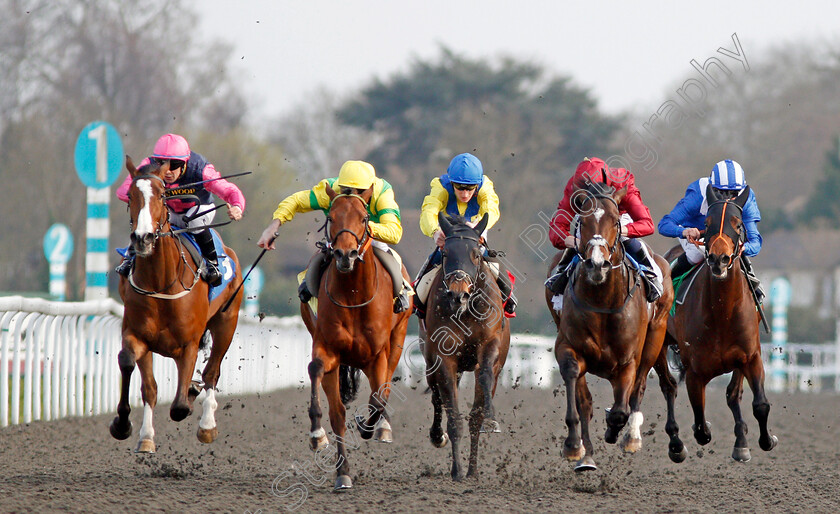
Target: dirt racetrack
74	464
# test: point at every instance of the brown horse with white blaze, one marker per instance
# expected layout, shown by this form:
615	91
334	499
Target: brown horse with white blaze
716	329
607	328
167	311
355	329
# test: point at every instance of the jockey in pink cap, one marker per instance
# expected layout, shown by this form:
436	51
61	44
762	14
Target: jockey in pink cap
188	167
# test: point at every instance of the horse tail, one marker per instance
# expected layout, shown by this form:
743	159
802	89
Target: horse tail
348	383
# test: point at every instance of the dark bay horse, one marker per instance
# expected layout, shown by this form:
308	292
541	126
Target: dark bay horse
608	329
355	329
167	312
464	330
717	327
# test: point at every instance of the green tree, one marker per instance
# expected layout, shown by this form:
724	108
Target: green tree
822	204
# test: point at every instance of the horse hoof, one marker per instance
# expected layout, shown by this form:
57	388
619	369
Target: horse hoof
773	442
574	454
194	390
741	454
117	432
145	446
586	464
318	440
702	437
611	435
383	433
179	413
207	436
490	426
631	445
443	441
678	456
342	483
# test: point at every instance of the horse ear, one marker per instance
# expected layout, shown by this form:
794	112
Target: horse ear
618	196
367	194
482	225
711	194
129	165
445	225
743	196
332	194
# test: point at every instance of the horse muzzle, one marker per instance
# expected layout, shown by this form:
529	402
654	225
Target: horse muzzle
143	245
345	260
596	273
719	265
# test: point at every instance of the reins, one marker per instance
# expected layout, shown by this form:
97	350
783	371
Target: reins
363	245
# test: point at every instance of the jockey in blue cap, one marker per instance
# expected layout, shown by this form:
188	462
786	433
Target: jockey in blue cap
687	218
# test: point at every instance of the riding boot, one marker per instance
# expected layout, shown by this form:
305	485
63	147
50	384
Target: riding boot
401	300
124	267
211	271
635	248
756	283
681	266
505	288
313	276
557	282
432	260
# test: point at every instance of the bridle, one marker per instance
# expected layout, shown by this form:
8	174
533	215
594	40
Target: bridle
711	240
363	243
158	233
459	274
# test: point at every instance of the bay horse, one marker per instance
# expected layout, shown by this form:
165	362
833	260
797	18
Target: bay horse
464	330
167	311
607	328
716	329
355	329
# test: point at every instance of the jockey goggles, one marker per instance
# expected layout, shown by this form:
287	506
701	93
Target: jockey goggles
464	187
174	164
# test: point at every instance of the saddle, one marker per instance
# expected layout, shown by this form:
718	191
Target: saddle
682	285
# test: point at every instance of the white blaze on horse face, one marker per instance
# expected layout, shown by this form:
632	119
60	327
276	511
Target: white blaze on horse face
598	214
208	419
144	219
597	256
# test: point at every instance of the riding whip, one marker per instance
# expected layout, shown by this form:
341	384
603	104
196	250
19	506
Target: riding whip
260	256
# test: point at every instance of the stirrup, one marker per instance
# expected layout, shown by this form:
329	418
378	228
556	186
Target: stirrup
303	293
401	303
653	292
510	306
124	267
212	274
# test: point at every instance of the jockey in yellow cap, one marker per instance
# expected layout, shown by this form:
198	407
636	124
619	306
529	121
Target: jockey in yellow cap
464	190
385	228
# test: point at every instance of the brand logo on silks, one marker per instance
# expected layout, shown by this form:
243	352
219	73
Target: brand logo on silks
180	191
99	155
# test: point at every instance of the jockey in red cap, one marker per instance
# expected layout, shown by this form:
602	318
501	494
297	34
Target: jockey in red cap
636	222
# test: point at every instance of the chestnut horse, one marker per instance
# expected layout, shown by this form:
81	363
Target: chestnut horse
355	327
608	329
464	330
716	328
167	312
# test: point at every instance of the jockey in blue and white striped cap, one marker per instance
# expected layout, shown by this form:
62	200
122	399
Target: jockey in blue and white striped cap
728	174
688	217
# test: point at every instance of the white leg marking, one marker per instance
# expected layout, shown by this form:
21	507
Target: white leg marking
318	434
635	423
557	302
208	419
147	430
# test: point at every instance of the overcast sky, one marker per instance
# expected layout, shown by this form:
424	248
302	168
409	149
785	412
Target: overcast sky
631	54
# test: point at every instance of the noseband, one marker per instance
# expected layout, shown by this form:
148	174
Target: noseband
363	242
459	274
710	241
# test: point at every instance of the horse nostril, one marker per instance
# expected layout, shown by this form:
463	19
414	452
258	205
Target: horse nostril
338	254
353	254
588	263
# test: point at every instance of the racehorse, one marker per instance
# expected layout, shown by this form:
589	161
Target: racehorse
464	330
355	329
167	311
608	329
716	328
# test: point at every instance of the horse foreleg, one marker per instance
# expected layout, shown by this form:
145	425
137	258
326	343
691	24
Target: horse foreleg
182	405
148	389
622	383
121	426
436	434
583	401
448	387
734	392
486	385
317	434
761	406
697	397
338	417
222	327
570	370
377	423
676	448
